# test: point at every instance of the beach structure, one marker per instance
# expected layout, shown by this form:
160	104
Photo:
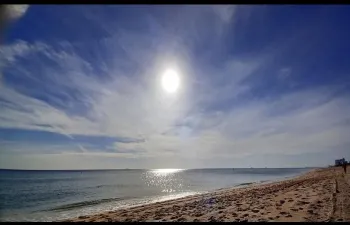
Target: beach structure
340	162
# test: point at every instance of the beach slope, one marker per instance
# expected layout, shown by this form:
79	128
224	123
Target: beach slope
319	195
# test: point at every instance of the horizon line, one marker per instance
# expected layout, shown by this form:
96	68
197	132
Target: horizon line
164	168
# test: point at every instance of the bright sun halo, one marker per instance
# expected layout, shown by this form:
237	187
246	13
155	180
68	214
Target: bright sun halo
170	81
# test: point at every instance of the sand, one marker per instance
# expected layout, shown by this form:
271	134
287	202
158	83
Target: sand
319	195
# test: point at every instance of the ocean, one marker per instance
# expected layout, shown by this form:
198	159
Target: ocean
57	195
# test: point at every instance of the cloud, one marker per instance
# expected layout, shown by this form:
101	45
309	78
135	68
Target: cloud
27	148
252	129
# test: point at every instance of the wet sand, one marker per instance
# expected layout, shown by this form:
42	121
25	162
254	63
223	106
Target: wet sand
319	195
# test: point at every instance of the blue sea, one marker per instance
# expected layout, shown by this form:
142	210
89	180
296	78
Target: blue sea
57	195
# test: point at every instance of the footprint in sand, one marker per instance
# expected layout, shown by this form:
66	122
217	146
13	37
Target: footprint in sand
302	203
310	211
181	219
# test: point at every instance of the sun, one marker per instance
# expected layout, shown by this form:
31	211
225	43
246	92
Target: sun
170	81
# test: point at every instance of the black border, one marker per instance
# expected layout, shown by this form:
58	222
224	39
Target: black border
174	2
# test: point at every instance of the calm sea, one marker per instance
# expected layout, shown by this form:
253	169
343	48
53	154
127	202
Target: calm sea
56	195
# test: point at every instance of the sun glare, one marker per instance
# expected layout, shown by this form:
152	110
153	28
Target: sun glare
164	172
170	81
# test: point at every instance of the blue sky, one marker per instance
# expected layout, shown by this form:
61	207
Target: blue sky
259	86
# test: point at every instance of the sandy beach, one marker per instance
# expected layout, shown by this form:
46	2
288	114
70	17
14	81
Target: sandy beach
319	195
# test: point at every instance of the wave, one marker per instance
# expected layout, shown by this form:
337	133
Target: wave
243	184
84	204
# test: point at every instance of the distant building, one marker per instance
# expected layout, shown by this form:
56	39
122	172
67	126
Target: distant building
340	162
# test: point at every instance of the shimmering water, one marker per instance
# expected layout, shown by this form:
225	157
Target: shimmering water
55	195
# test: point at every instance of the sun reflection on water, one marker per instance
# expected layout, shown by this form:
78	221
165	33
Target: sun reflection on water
165	172
166	180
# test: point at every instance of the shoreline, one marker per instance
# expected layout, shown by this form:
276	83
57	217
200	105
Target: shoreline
317	195
169	198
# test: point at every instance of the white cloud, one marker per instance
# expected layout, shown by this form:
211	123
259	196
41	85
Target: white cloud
30	148
251	130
